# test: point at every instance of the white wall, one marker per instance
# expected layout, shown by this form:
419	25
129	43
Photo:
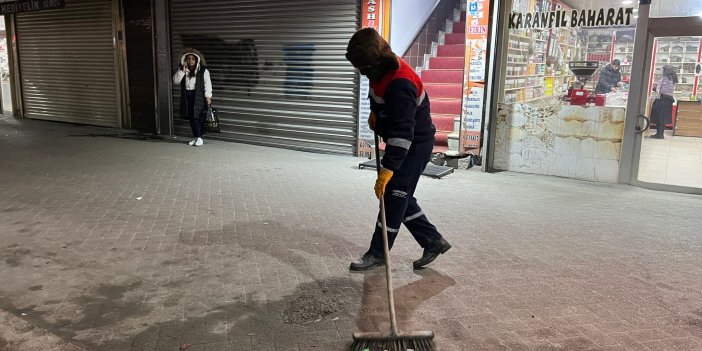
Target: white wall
407	19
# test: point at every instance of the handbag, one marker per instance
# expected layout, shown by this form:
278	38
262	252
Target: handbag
211	120
655	95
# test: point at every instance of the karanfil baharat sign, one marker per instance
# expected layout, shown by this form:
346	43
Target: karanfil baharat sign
7	8
573	19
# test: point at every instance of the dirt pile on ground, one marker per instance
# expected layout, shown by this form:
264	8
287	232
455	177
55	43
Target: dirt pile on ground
323	299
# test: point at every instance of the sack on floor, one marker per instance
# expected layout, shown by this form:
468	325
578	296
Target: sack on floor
211	120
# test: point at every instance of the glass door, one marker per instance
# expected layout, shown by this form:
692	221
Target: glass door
667	134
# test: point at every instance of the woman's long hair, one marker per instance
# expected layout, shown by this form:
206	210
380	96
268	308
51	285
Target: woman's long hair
669	72
191	72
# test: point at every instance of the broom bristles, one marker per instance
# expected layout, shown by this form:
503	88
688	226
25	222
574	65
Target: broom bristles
414	341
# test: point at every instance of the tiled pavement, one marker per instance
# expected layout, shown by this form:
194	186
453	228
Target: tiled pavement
122	244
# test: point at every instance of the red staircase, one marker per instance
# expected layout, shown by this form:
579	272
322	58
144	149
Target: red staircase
443	81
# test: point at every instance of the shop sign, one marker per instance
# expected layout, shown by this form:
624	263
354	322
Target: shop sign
474	76
371	16
30	6
473	113
573	19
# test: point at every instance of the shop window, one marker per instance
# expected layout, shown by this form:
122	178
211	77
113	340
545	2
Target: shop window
554	118
676	8
670	152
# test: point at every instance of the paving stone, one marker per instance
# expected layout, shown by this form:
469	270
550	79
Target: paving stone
117	243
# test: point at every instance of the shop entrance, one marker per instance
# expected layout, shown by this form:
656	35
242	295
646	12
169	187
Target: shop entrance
668	144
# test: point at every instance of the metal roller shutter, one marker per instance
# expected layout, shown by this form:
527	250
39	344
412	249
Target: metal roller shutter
278	69
67	64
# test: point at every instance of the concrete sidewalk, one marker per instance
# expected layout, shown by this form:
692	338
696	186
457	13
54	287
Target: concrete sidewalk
109	242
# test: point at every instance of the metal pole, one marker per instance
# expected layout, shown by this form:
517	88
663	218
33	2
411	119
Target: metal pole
627	174
494	83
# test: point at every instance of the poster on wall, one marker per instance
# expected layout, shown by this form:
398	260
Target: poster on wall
372	15
477	21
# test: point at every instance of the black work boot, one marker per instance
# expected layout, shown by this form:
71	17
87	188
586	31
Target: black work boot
366	262
431	253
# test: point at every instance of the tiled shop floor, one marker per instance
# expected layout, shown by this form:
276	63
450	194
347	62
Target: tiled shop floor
118	243
674	160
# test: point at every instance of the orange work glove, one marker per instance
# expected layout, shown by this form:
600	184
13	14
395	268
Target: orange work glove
383	178
371	120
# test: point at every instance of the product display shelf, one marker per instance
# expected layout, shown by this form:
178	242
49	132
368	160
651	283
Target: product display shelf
526	60
521	67
557	79
563	48
600	45
624	51
682	53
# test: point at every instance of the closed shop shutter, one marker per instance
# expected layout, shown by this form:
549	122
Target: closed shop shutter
278	69
67	64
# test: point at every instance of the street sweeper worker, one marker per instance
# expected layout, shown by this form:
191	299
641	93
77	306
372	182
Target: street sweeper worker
400	115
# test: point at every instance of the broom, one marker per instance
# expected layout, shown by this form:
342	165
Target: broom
393	340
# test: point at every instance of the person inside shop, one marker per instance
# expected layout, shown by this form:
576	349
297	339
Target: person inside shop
610	77
400	115
662	108
195	92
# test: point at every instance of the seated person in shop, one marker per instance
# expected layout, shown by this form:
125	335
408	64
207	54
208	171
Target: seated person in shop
610	77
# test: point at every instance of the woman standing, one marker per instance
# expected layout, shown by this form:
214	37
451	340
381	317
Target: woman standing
662	109
195	92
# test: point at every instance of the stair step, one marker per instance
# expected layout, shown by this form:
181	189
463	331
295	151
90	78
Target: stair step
441	138
440	91
459	27
443	76
446	63
456	50
453	141
455	38
446	106
443	122
439	149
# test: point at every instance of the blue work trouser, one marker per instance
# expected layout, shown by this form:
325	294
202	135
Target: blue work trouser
401	206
